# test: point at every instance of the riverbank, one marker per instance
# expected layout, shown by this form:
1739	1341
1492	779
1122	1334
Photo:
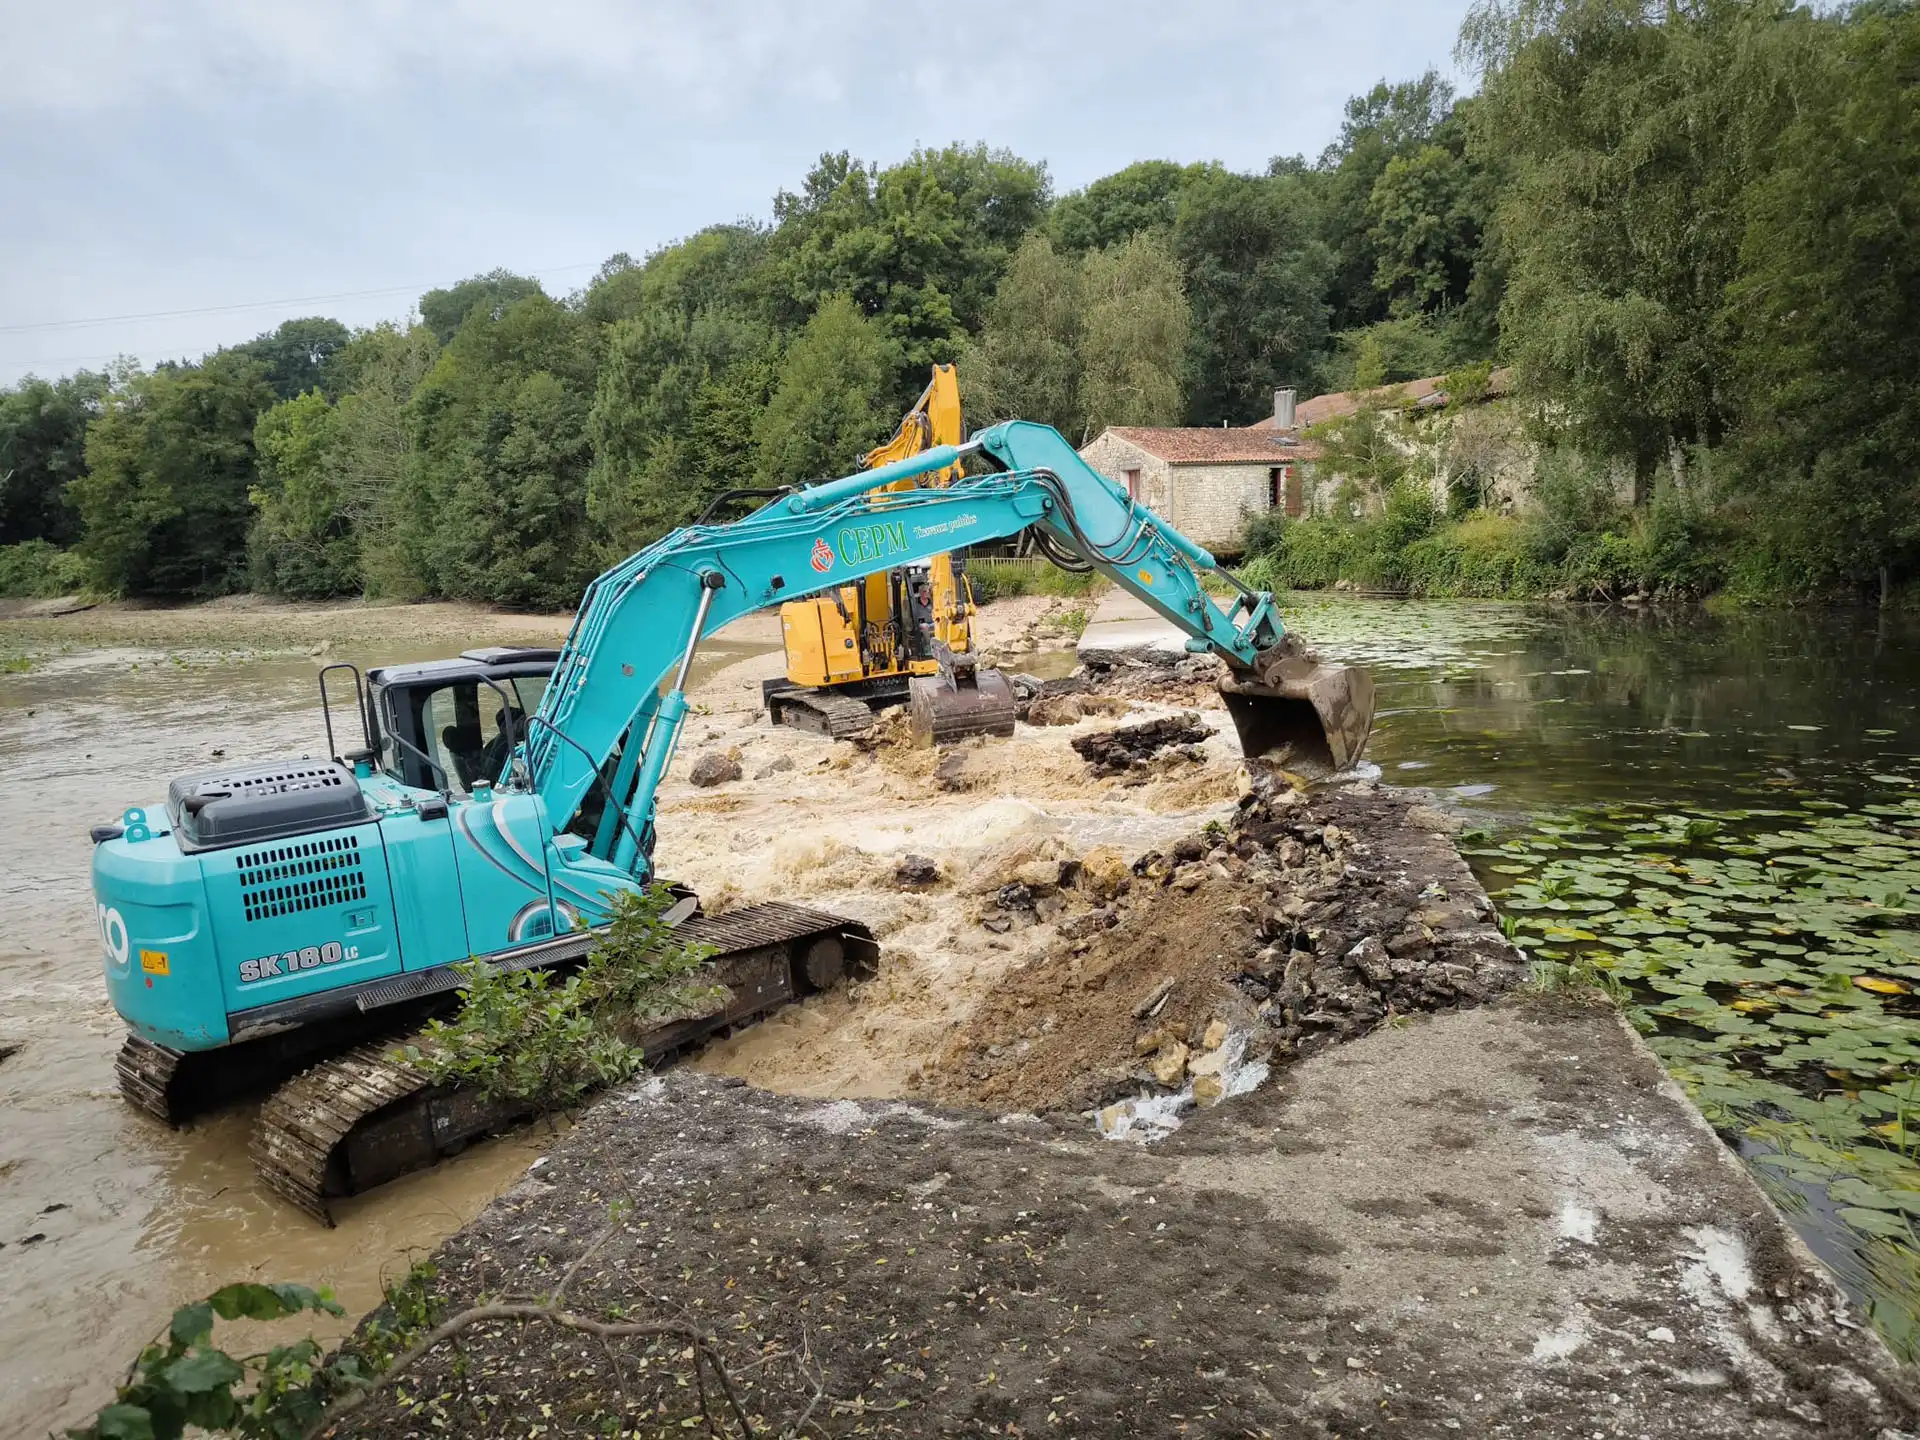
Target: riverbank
1674	553
1459	1206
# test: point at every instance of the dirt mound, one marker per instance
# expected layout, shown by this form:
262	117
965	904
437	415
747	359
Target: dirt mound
1307	920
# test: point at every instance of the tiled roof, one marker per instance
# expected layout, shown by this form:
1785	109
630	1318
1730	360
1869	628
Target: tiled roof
1428	391
1201	445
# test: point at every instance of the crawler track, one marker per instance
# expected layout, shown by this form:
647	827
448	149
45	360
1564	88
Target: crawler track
821	712
359	1120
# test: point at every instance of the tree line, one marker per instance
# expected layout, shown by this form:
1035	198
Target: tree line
1688	226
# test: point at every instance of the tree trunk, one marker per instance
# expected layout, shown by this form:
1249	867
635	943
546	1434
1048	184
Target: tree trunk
1643	463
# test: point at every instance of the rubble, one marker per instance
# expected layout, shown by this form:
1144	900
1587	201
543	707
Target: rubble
951	771
1304	921
916	872
1134	747
1169	677
716	767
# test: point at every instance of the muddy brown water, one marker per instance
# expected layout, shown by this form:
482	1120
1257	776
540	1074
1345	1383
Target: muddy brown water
108	1219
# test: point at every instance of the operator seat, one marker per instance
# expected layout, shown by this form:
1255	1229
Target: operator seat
467	751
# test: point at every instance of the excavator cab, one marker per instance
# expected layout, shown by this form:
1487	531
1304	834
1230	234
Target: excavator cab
450	725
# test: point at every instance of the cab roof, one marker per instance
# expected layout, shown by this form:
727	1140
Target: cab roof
494	662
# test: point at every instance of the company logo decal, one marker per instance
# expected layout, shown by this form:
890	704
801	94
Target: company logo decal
822	555
113	936
861	543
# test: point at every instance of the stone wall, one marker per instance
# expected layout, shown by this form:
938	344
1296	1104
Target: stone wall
1211	503
1113	457
1207	503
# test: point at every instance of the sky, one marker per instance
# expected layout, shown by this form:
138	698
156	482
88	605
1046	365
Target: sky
182	175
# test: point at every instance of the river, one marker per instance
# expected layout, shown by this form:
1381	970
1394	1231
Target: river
108	1219
1722	811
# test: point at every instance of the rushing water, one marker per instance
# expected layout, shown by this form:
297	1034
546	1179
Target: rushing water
107	1218
1718	818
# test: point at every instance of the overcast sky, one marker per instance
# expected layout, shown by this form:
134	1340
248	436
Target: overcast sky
180	155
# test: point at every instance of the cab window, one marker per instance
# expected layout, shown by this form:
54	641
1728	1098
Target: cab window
466	728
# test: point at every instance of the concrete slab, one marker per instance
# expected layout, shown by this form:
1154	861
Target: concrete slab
1123	622
1494	1222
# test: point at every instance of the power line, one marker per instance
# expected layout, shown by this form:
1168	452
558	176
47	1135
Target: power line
41	325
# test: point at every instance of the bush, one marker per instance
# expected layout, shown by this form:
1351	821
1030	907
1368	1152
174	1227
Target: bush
520	1035
37	570
997	579
1482	557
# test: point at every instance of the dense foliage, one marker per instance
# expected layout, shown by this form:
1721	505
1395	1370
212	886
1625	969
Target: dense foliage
1688	227
527	1035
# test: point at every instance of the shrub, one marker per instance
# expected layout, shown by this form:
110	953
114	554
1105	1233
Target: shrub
997	579
37	570
522	1036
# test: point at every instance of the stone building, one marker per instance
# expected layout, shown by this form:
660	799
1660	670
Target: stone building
1205	482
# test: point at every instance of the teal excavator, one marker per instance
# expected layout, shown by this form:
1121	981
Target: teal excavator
279	923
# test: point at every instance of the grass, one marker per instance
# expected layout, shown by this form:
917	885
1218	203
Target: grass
998	579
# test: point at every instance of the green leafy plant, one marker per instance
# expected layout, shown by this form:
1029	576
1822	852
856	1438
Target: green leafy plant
183	1379
528	1035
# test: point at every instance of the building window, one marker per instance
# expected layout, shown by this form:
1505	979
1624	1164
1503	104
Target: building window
1133	483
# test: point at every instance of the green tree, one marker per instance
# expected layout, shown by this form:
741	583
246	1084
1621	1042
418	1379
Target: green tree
667	375
834	400
1828	309
1631	136
1387	122
1026	364
43	438
498	512
489	296
170	463
1143	196
298	356
1134	339
1256	282
303	543
374	452
1426	213
919	247
718	268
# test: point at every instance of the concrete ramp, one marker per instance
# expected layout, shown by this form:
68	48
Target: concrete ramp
1123	622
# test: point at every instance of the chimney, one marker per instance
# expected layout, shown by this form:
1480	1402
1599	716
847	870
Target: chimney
1283	409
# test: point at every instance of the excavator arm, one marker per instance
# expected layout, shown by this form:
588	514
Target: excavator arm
641	622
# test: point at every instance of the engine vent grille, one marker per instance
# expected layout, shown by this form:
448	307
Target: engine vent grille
301	875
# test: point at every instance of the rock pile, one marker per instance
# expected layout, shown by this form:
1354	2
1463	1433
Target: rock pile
1135	747
1357	921
1302	921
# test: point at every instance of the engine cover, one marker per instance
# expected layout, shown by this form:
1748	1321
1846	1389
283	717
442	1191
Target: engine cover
267	800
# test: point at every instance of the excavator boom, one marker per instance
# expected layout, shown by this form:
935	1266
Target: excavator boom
903	633
642	620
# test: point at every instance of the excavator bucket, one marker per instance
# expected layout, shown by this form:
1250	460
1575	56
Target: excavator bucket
951	706
1304	715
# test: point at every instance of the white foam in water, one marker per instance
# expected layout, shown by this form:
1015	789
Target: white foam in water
1147	1117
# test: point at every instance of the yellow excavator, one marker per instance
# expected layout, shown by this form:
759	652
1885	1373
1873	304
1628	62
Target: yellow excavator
903	635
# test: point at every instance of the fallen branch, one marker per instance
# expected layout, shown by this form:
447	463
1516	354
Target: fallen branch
549	1314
